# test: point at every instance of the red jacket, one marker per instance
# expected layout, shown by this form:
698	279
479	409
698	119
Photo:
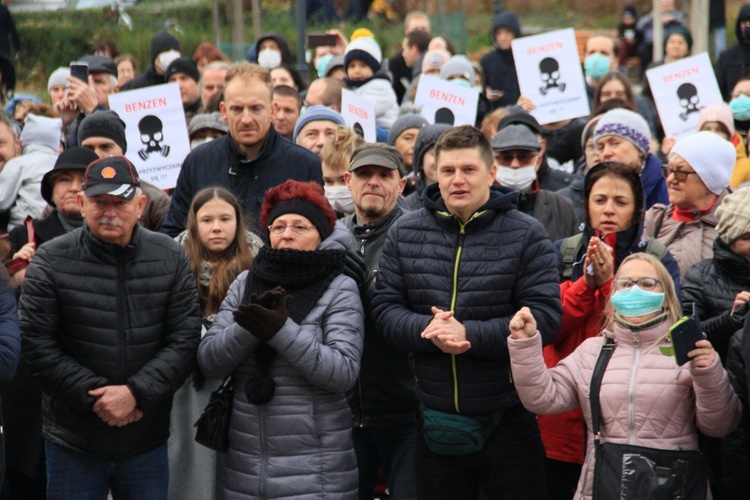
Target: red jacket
564	435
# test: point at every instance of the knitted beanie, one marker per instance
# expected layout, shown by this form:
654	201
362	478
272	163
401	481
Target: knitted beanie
458	66
316	113
734	216
364	49
163	42
721	113
626	124
681	31
58	77
183	65
711	156
104	124
404	123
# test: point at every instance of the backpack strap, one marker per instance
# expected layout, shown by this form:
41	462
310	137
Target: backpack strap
656	248
569	248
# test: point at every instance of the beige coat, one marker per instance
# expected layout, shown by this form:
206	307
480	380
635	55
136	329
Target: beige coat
688	242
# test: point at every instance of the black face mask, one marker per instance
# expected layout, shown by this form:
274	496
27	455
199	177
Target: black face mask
745	33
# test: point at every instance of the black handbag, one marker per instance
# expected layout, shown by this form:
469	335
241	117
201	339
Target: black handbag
212	428
627	471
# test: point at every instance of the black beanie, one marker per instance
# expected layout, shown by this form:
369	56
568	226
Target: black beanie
162	42
183	65
104	124
305	208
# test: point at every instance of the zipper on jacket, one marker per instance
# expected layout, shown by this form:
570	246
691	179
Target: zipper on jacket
263	458
454	295
631	389
361	404
121	326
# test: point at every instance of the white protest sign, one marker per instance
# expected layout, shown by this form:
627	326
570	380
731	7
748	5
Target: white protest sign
549	73
446	102
359	114
680	90
155	130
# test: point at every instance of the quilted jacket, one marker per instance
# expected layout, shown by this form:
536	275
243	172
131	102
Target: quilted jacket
94	314
711	285
484	270
646	399
299	444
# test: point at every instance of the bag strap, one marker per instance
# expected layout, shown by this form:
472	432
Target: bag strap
659	223
596	384
656	248
569	249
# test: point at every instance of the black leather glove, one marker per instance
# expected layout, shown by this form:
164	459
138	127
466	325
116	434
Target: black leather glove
356	269
265	320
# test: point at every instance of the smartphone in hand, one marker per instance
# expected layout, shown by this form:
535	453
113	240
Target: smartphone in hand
684	334
80	70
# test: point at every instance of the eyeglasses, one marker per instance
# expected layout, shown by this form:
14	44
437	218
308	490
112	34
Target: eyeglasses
298	229
680	175
523	157
647	284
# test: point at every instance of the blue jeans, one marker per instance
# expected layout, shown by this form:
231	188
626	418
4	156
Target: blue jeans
391	448
72	475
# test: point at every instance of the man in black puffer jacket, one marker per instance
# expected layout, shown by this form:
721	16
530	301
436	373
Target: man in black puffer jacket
111	324
499	66
451	277
734	62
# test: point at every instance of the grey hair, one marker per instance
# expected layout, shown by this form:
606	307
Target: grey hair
12	125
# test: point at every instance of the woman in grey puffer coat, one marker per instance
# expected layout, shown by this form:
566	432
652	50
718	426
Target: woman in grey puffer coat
291	331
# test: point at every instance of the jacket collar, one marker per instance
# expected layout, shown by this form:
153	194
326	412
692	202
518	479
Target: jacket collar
502	199
269	144
366	231
736	267
108	251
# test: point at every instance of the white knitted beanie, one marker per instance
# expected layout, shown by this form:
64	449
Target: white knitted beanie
711	156
58	77
365	49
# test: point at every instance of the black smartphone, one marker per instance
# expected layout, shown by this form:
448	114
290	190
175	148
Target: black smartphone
321	40
80	70
684	334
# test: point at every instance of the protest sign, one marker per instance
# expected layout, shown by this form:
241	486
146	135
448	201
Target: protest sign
359	114
680	90
549	73
442	101
155	130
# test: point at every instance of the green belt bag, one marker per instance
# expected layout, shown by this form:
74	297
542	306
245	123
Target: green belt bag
454	434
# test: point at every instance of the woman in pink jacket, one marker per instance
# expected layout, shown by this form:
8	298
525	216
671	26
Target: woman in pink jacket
646	398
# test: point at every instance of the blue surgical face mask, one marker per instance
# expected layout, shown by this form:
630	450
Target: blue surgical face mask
634	302
321	64
461	82
741	108
596	65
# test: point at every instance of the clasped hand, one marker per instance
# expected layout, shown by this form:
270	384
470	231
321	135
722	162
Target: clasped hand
446	332
599	258
523	324
265	315
115	405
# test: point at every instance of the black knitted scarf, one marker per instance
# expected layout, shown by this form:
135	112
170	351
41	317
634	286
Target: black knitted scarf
305	275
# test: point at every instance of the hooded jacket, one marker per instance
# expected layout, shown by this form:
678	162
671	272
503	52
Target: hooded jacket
498	66
221	163
583	307
654	184
94	314
646	399
299	444
688	242
286	54
485	270
734	62
711	286
21	178
426	139
161	42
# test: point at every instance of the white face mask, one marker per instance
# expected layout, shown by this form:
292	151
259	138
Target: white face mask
340	198
164	59
516	178
197	142
269	58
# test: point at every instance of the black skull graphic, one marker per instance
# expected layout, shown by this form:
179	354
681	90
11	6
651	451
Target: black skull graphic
549	70
152	135
689	100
